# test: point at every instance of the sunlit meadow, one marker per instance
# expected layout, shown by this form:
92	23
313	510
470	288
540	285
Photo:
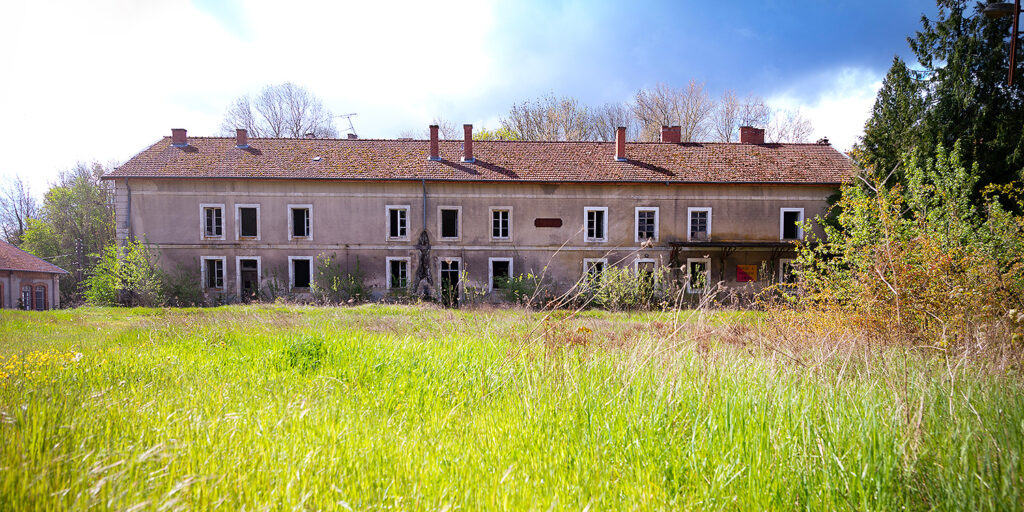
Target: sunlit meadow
388	407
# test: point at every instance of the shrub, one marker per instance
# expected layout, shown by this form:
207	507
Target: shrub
331	285
125	276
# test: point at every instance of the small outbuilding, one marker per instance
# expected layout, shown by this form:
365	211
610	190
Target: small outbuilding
27	281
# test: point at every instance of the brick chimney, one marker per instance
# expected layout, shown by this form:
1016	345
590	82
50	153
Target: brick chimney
620	144
467	143
241	138
352	136
671	134
179	137
435	153
751	135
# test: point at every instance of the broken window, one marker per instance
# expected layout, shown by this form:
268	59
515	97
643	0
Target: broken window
646	224
301	272
501	272
700	224
213	221
214	273
791	219
592	269
698	274
248	219
449	223
398	272
596	224
300	222
398	222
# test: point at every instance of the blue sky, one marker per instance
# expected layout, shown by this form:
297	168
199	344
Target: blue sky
101	80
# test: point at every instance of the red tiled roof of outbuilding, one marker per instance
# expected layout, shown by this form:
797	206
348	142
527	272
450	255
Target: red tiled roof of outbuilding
531	161
12	258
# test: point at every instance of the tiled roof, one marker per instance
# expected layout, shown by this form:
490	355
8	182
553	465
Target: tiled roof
376	159
12	258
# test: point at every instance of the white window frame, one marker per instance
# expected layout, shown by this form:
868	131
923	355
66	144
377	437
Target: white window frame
224	272
782	266
636	222
586	213
291	221
462	271
291	270
202	221
238	222
638	261
490	219
387	222
689	219
387	271
587	262
490	270
782	225
707	274
458	224
238	270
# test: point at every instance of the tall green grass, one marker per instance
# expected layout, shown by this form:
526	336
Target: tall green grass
415	408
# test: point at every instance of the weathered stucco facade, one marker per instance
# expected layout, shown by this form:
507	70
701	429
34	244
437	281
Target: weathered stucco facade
546	227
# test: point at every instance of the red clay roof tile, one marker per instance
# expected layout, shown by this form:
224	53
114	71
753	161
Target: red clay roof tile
12	258
376	159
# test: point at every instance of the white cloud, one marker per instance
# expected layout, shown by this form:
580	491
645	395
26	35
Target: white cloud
837	103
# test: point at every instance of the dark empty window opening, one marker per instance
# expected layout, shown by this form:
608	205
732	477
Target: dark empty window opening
645	227
399	273
698	275
398	223
500	274
500	224
214	273
300	222
449	223
790	225
247	217
595	225
214	223
301	271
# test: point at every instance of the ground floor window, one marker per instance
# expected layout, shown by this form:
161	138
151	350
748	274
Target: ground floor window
786	271
213	273
248	277
592	269
500	273
397	273
698	274
450	274
40	299
300	271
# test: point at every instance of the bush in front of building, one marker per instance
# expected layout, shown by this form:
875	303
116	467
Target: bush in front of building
125	276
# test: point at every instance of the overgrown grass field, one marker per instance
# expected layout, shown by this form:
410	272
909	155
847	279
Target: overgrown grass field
384	407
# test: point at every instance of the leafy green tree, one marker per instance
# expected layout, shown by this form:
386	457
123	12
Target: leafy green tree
890	131
73	226
125	276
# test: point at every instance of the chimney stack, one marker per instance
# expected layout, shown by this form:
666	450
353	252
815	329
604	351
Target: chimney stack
179	138
241	138
352	136
671	134
435	153
620	144
751	135
467	143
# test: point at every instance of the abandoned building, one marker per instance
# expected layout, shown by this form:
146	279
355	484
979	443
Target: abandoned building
426	216
26	281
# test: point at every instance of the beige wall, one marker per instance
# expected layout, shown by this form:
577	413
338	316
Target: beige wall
12	281
349	219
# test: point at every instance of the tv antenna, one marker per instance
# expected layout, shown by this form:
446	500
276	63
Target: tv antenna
351	127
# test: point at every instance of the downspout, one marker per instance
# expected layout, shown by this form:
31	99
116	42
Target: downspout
128	221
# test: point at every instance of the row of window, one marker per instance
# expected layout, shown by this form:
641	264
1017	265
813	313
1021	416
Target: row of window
32	297
646	223
500	270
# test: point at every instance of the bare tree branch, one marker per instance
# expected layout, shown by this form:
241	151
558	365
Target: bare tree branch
284	110
17	206
689	107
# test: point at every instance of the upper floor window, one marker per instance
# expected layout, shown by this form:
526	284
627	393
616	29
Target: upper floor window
398	222
698	224
501	223
646	224
789	223
212	221
247	217
213	272
450	219
595	224
300	221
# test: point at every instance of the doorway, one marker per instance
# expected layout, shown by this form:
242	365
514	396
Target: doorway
450	270
249	274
